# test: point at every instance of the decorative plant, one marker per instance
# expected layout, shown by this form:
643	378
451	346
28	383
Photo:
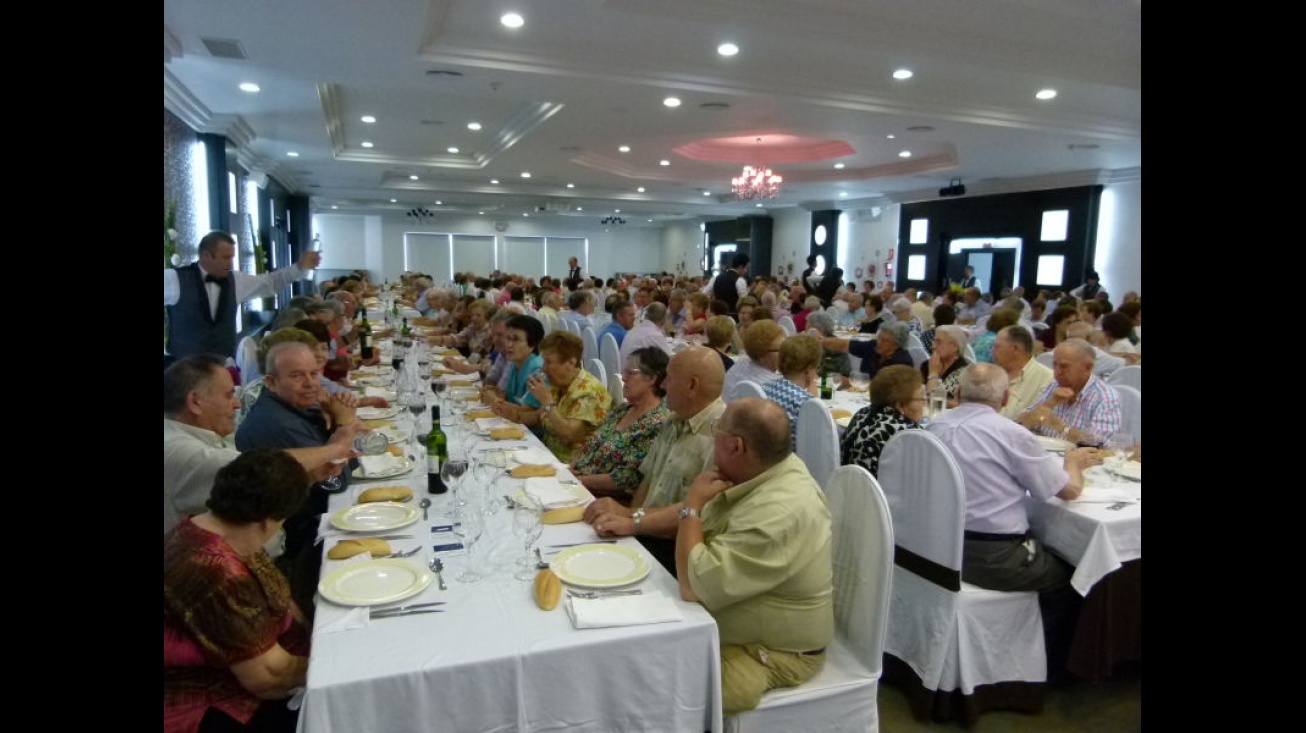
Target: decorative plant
170	236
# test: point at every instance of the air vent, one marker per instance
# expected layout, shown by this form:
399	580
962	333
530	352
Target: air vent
714	105
224	49
443	72
1083	146
920	128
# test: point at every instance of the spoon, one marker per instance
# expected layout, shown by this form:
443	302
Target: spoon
437	566
425	504
539	560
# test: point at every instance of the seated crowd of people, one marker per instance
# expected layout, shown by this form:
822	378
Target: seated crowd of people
758	558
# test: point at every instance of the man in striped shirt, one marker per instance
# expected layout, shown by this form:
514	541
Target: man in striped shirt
1077	404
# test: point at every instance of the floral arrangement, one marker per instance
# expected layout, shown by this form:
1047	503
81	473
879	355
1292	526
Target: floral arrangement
170	236
260	255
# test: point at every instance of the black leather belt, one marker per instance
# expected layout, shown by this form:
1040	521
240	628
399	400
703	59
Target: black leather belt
990	537
814	652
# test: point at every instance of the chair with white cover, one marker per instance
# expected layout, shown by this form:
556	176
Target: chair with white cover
787	323
842	696
1045	359
610	353
1130	375
247	360
945	635
616	388
591	342
818	440
747	388
969	352
1131	411
918	355
595	367
914	339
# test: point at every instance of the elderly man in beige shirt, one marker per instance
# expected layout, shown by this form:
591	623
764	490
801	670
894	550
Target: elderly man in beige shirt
681	451
1013	350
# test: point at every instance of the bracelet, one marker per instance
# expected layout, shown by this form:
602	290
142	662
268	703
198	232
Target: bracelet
638	516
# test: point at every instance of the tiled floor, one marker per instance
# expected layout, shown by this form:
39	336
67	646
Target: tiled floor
1108	707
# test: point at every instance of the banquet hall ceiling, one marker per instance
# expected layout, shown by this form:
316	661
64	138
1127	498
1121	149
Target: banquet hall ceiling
811	86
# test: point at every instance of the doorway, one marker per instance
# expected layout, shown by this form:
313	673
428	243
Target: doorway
996	261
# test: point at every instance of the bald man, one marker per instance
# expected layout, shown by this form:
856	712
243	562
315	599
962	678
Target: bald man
753	547
1103	362
1077	405
681	451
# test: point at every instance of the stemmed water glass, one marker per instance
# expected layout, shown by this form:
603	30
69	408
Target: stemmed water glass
1120	444
527	524
452	471
473	525
487	476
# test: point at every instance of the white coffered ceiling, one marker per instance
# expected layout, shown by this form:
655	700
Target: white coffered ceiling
558	96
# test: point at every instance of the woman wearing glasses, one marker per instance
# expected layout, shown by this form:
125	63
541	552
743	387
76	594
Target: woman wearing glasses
608	464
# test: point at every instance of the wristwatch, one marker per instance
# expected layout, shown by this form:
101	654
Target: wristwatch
638	516
687	511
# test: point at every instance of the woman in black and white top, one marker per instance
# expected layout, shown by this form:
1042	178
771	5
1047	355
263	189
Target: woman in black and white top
897	403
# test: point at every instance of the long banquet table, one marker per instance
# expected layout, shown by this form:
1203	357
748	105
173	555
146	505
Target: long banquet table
494	661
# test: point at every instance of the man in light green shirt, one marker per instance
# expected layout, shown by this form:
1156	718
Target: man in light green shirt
1013	350
754	547
681	451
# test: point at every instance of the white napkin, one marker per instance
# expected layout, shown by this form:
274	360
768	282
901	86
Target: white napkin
536	456
329	618
599	613
1100	494
378	392
379	464
551	494
374	413
486	424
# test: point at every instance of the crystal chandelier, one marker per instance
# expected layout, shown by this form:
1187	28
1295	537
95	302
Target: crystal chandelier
756	182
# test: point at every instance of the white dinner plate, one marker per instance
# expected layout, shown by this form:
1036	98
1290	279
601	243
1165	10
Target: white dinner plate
394	435
380	370
843	421
1054	445
404	466
376	413
375	516
374	582
1130	469
599	566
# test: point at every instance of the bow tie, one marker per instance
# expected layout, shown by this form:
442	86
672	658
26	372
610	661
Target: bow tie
212	279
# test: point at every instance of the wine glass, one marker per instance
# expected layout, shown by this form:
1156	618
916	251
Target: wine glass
415	400
527	524
473	524
1120	444
858	381
453	470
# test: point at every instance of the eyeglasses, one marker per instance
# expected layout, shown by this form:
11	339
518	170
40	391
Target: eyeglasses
718	430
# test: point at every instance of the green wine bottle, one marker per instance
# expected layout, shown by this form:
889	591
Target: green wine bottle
437	450
827	384
365	337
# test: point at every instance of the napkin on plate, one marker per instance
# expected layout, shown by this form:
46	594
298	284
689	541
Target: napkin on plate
328	618
378	392
553	495
534	455
486	424
1103	494
374	413
379	464
598	613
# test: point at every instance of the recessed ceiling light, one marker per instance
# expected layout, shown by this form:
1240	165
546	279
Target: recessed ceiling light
671	101
512	20
727	49
571	185
616	211
903	74
525	214
394	201
580	208
453	150
664	162
891	136
495	181
473	126
250	87
758	205
707	193
367	143
369	119
291	154
1046	94
624	149
525	174
905	154
412	178
838	166
439	203
843	194
640	189
482	213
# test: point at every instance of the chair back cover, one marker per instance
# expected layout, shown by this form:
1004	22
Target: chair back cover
591	344
616	388
247	360
610	354
863	562
914	339
918	355
927	498
1045	359
1130	375
969	352
595	367
748	388
1131	410
787	323
818	440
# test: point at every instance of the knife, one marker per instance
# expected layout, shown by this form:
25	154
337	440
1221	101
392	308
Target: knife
415	611
409	607
391	537
590	542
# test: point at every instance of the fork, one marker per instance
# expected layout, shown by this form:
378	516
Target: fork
603	593
405	553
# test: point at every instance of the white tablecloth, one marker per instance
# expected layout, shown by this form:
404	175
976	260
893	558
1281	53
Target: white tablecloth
1093	538
493	661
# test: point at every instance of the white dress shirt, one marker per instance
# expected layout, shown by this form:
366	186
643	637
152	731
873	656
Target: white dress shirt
247	286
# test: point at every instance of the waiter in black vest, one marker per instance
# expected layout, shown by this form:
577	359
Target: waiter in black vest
732	284
574	279
202	297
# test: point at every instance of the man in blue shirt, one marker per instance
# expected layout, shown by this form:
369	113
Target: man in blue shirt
623	319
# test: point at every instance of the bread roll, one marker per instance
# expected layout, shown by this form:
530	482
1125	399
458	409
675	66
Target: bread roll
565	515
395	450
348	548
548	589
838	413
385	493
479	414
374	424
533	471
508	434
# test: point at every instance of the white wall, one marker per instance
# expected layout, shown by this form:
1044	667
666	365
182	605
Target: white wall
682	248
1119	258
